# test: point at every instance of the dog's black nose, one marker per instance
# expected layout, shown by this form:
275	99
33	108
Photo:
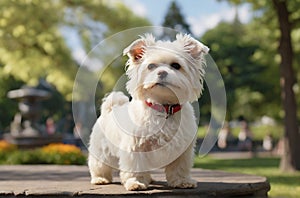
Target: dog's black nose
162	74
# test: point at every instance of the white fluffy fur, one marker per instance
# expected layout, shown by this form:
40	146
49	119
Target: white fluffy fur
134	138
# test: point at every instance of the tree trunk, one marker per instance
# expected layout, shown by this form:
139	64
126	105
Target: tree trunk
291	158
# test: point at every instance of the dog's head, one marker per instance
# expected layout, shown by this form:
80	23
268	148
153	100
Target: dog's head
166	72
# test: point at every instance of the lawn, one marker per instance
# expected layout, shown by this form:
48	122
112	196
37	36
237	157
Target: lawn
282	184
259	132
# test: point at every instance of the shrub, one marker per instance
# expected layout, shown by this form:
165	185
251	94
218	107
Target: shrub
25	157
5	149
51	154
63	154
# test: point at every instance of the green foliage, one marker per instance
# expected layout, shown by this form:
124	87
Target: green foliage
42	156
39	157
279	20
5	150
24	157
67	158
282	184
248	91
32	46
266	22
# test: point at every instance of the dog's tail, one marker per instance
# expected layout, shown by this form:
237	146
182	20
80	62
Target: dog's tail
113	99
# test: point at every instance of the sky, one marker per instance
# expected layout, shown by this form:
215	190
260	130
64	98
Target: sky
201	15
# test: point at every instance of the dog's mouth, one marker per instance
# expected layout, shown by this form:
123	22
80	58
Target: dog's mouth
166	84
159	84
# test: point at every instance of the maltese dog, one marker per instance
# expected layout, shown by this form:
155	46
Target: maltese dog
157	128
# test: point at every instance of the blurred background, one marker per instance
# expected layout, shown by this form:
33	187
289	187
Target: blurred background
254	43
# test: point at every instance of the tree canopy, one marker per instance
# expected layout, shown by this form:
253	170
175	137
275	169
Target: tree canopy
31	44
249	93
34	46
175	19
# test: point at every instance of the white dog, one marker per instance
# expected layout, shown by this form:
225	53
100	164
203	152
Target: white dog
157	128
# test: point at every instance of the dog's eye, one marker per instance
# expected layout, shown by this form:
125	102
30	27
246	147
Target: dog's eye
151	66
176	66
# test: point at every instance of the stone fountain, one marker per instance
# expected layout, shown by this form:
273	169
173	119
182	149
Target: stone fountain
25	131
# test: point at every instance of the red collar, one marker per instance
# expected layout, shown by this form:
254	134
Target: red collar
166	108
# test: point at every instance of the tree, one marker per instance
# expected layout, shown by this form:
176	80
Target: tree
175	20
285	14
244	79
32	45
291	159
30	40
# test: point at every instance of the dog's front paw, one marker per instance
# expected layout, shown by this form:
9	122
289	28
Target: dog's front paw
132	184
183	183
100	181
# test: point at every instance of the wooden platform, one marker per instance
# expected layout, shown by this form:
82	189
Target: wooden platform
68	181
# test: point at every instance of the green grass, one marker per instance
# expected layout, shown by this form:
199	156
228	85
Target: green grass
282	184
259	132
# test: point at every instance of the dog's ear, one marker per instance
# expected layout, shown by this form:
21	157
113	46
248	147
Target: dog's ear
192	46
136	50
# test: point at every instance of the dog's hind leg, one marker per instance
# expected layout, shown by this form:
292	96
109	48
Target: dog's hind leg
100	172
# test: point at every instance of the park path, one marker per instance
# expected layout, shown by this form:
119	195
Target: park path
68	181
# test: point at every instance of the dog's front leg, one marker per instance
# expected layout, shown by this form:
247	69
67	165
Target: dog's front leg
100	172
178	172
135	181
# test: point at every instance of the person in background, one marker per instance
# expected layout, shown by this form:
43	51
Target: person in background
268	142
225	136
50	126
245	137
